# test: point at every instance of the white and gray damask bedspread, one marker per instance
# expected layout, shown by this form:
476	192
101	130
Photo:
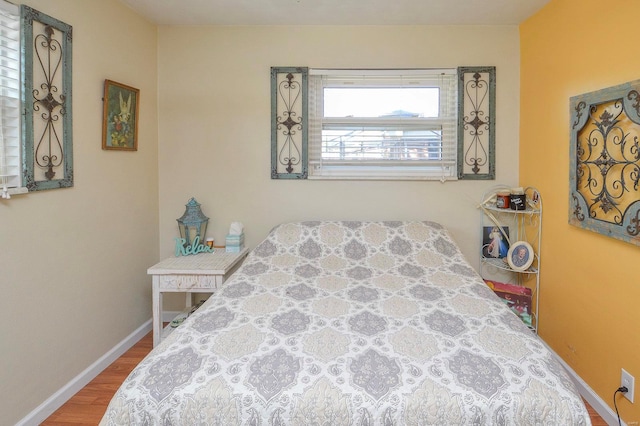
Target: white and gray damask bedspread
351	323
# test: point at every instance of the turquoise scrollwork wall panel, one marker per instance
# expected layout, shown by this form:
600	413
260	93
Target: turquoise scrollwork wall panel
476	122
47	126
289	122
604	193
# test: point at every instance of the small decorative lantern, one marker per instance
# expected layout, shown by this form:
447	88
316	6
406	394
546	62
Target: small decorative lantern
193	223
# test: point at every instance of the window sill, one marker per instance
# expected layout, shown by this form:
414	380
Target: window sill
381	173
356	177
17	191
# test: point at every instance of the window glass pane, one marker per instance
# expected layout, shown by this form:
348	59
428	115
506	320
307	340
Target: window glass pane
389	124
377	144
381	102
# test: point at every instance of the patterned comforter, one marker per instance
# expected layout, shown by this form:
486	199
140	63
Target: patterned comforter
351	323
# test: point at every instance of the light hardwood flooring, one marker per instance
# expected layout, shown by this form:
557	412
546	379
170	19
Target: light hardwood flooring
89	404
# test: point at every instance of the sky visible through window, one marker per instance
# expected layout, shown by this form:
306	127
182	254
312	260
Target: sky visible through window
381	102
372	138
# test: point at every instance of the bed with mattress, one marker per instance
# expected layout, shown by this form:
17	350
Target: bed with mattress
351	323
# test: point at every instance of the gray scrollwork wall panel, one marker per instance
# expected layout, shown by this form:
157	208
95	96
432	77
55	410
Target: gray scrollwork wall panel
476	122
289	122
47	126
604	194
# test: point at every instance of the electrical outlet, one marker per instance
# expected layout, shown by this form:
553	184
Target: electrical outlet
628	381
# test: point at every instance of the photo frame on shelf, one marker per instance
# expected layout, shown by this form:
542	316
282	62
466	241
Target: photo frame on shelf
533	198
120	117
520	256
495	242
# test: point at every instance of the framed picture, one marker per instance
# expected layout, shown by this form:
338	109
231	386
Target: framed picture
495	242
520	256
603	185
120	117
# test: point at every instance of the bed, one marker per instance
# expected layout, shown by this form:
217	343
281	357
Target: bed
351	323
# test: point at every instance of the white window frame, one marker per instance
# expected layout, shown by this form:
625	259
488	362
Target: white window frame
11	149
444	168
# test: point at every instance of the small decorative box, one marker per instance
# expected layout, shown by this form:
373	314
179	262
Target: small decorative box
234	243
234	249
235	239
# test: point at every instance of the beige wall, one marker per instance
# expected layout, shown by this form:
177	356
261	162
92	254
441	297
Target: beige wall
73	263
215	129
80	265
589	282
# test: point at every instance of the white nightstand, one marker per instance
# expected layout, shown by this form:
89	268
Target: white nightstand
199	273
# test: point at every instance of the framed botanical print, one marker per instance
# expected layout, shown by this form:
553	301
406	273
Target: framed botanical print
120	117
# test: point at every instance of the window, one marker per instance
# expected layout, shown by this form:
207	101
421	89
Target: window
383	124
10	141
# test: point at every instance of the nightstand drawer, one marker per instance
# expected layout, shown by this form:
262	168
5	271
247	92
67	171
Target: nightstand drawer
188	282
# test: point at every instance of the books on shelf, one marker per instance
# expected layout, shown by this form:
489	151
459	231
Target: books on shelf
517	297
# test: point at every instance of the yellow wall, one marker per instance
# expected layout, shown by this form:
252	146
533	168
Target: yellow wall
73	265
590	288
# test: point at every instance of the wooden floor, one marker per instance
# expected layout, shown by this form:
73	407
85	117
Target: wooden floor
89	404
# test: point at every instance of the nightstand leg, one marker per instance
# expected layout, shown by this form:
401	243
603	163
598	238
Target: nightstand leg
157	311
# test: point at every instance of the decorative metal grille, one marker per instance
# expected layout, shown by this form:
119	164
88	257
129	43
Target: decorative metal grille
47	128
605	162
289	123
476	122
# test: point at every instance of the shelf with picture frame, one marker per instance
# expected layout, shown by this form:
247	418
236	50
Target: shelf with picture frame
511	243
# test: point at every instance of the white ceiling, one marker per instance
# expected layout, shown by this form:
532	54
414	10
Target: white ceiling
336	12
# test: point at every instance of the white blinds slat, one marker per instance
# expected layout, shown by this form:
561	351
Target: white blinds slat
10	152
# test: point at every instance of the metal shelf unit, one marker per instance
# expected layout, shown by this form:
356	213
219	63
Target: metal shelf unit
524	225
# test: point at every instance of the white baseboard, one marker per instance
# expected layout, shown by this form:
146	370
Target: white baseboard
598	404
65	393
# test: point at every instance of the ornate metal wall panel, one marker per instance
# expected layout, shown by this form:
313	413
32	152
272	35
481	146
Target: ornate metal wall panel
47	127
476	122
289	122
604	194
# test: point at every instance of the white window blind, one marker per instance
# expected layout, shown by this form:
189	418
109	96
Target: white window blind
10	146
383	124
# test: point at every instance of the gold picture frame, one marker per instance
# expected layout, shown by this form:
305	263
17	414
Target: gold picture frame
120	117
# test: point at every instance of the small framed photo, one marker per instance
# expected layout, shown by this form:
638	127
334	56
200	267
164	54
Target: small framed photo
120	117
495	242
520	256
533	197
